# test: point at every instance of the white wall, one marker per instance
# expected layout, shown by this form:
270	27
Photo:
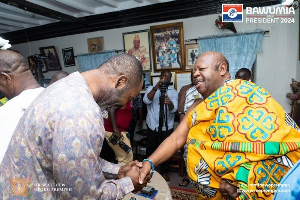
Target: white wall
276	65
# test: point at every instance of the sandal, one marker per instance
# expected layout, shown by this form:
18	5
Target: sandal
184	182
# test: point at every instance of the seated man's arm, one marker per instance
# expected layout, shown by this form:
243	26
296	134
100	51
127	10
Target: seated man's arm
167	148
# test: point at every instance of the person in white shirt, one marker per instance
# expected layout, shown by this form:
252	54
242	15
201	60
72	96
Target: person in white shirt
19	85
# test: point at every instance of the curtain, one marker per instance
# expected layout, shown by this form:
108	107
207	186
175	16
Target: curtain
93	60
240	49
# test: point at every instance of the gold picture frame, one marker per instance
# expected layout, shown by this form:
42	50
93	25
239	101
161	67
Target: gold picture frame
95	45
143	54
167	46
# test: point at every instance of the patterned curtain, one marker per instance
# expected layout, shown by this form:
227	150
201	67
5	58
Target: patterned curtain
93	60
240	49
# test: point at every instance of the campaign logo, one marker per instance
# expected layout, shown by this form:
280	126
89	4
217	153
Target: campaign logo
232	12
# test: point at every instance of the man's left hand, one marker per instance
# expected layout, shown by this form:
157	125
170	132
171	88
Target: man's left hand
123	169
167	100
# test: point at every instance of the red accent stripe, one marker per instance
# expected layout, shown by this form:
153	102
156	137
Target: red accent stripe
238	7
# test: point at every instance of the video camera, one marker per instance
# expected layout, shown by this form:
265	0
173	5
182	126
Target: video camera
164	86
121	144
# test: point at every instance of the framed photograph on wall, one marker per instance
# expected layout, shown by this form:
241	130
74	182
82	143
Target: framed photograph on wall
167	46
182	79
68	56
147	80
95	45
191	55
36	61
52	60
137	43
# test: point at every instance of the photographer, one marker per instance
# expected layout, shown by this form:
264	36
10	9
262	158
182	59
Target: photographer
161	101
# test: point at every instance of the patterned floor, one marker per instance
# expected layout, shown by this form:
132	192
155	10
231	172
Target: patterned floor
183	194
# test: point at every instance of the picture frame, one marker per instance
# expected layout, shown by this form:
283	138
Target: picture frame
147	80
52	61
68	57
182	79
137	43
34	61
155	79
191	55
95	45
167	43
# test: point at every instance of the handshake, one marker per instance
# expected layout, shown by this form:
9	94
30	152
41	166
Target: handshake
138	172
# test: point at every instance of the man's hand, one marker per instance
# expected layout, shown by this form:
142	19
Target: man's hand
124	169
228	191
118	134
167	100
133	174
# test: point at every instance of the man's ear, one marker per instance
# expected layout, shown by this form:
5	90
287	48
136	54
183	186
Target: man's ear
223	68
121	80
5	78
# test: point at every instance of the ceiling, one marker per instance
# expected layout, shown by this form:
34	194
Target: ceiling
22	14
31	20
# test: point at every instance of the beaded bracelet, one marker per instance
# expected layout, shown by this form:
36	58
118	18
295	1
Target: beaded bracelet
152	165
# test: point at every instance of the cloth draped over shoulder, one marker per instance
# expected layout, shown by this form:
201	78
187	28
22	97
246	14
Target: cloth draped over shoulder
239	133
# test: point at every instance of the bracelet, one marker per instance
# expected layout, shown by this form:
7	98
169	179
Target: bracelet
152	165
181	113
154	89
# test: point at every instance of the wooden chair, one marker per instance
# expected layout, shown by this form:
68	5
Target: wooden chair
177	161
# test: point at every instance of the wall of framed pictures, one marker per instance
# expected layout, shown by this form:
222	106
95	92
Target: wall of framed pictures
269	63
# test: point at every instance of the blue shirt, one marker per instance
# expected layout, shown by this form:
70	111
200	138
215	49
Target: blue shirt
152	119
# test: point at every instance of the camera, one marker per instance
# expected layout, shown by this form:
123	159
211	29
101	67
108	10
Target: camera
164	86
121	144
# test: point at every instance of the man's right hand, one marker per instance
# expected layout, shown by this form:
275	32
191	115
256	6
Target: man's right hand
117	134
133	174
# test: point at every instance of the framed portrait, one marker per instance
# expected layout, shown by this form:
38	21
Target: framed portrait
155	79
68	56
191	54
167	46
147	80
95	45
137	43
36	61
52	61
182	79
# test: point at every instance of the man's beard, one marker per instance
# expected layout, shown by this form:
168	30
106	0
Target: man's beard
111	98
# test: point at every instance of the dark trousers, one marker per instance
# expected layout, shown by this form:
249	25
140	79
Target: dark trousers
153	141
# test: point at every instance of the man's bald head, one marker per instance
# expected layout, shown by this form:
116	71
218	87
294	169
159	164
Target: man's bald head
12	61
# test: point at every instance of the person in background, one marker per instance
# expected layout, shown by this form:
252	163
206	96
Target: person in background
140	52
18	84
57	76
244	74
3	99
137	116
239	147
59	138
188	94
116	127
155	133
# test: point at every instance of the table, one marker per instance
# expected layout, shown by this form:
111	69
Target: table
159	183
